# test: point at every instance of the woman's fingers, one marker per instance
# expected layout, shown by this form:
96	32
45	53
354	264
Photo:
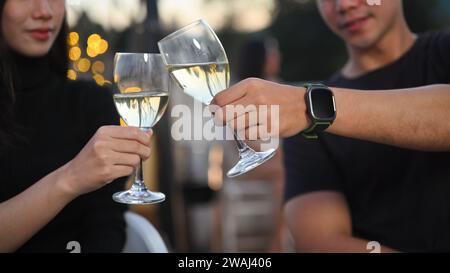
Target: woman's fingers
121	171
130	133
130	147
125	159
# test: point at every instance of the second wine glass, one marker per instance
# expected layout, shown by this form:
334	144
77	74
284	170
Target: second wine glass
197	60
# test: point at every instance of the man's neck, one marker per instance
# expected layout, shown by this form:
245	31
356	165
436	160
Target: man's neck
390	48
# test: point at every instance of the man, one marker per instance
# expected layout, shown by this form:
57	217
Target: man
383	174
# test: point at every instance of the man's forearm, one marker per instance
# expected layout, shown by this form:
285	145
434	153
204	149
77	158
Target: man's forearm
345	244
416	118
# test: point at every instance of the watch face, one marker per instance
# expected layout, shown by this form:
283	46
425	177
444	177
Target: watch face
322	103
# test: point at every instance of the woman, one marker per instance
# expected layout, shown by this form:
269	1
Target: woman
51	151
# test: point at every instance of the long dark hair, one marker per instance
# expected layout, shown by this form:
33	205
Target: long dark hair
58	60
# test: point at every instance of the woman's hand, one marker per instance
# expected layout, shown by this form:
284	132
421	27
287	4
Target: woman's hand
111	153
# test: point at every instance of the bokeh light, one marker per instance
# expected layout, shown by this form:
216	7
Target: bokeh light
132	89
73	39
94	40
74	53
83	62
98	67
99	79
72	74
84	65
91	52
103	47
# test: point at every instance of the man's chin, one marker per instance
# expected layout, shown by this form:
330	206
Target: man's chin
361	43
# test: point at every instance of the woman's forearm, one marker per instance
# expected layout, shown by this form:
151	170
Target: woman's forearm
25	214
417	118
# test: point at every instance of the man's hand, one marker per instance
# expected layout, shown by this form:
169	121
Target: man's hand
291	120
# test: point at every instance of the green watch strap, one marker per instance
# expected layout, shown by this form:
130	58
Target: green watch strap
308	85
320	126
311	134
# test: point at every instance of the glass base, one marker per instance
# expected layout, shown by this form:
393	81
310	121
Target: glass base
249	160
139	196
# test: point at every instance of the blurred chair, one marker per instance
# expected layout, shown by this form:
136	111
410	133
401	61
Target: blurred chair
248	216
142	237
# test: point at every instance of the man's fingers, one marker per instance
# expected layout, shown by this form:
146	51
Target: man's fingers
254	125
238	108
252	133
245	121
231	94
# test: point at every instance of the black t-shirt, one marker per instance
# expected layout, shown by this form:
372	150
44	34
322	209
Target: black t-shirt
57	117
398	197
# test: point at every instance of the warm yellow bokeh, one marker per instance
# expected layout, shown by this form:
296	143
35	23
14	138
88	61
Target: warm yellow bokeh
91	52
74	53
123	123
215	171
73	38
116	78
98	67
99	79
94	40
102	47
84	65
72	74
95	47
132	89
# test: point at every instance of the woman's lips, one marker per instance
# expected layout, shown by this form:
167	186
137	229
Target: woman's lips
40	34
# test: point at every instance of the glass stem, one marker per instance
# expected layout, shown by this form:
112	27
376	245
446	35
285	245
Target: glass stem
139	185
139	177
242	146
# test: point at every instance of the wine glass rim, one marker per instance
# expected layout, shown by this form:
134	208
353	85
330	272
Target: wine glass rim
137	53
185	28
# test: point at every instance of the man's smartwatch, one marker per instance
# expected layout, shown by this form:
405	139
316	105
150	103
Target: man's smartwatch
321	109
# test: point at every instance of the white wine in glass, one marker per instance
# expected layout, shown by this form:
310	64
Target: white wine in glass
202	81
141	97
142	109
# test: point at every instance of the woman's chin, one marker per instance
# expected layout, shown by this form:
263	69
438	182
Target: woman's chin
34	50
35	53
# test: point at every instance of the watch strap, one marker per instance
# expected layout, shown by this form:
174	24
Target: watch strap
317	126
311	132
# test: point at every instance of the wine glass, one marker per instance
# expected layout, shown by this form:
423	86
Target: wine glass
196	59
141	97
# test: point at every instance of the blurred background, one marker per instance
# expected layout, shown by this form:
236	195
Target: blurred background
205	211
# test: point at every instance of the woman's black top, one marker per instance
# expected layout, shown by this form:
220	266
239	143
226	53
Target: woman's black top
57	117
